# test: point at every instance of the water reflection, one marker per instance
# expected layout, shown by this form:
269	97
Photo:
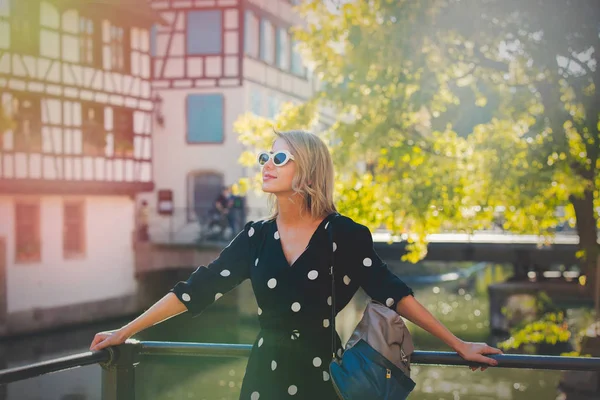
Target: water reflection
462	305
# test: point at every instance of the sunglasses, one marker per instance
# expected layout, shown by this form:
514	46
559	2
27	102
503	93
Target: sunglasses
280	158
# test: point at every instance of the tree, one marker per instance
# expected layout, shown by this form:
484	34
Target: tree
547	130
457	107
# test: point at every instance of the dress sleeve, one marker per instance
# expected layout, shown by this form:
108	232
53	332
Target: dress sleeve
229	269
356	260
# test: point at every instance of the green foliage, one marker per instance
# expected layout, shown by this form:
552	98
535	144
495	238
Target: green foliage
448	127
551	329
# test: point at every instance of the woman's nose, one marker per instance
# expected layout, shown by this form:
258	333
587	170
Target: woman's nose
269	166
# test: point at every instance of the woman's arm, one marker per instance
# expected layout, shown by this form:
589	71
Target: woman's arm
167	307
414	311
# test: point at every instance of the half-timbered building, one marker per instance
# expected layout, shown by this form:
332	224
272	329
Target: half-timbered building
214	60
75	81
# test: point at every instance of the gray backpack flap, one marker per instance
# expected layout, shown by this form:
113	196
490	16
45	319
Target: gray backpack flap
385	331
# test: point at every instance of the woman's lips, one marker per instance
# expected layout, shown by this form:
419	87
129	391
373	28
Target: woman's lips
268	177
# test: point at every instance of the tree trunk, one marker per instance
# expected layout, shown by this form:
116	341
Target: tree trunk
588	235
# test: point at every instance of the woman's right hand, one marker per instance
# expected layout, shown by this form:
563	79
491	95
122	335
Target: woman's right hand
107	339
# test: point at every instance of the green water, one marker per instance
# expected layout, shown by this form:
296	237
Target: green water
462	306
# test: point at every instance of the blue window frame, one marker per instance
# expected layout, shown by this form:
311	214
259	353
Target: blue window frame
203	35
251	34
282	55
266	41
297	66
205	118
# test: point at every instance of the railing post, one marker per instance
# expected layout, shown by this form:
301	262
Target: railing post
118	374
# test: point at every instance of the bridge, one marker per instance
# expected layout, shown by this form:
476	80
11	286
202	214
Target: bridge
524	252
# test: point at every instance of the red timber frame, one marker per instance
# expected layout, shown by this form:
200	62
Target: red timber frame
62	164
159	61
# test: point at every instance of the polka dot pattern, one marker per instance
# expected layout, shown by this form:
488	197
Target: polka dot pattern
285	294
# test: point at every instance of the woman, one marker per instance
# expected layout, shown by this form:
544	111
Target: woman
286	258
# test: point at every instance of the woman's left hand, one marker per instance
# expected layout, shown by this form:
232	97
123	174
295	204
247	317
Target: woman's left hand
475	352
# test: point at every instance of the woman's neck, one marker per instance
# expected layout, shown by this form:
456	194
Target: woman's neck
292	210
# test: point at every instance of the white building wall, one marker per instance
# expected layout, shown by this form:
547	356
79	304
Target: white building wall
174	158
105	271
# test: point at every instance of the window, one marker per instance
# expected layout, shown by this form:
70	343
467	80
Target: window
73	229
25	26
27	232
282	49
266	41
203	34
94	135
123	131
273	107
256	102
88	34
297	66
251	34
203	190
119	48
205	118
27	117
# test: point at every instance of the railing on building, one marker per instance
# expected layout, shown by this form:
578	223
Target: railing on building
118	363
185	225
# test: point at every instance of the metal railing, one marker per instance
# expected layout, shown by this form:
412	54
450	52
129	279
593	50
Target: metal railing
118	363
193	225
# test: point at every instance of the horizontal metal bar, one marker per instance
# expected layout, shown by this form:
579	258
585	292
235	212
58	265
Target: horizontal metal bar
56	365
418	357
158	349
149	348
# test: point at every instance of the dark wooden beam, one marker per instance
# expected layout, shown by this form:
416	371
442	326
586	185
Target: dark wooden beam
60	187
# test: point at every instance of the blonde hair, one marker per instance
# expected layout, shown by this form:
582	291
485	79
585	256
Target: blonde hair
314	173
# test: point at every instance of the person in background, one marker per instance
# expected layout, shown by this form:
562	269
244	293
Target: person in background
143	220
223	207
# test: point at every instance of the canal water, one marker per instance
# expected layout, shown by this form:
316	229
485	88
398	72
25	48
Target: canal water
461	304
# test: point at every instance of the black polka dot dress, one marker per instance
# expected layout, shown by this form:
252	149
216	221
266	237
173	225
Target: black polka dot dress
291	355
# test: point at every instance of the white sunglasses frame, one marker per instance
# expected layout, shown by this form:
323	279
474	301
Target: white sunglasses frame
271	156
